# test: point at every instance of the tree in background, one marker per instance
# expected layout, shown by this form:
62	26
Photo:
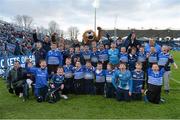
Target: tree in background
73	32
24	21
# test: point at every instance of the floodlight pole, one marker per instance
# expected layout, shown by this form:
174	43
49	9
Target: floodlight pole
95	19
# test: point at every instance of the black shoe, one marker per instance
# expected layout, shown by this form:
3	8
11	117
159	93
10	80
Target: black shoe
167	91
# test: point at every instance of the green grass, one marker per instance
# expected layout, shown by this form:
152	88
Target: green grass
93	106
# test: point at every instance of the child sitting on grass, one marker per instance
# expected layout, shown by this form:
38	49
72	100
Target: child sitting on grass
57	84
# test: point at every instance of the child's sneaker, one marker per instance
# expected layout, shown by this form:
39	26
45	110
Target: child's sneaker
145	97
64	96
20	95
166	91
162	100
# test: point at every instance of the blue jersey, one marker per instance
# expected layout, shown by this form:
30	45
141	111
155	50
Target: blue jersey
78	73
86	55
132	59
89	73
122	80
78	57
141	57
153	58
103	55
155	78
68	70
41	76
163	58
138	81
100	76
58	79
113	56
54	57
108	76
157	47
123	57
94	57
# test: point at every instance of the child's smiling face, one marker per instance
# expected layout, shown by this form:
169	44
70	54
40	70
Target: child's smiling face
152	50
164	49
86	48
99	66
78	64
43	64
155	67
60	71
141	49
68	61
138	66
122	67
133	51
123	50
113	45
94	49
88	64
53	46
109	67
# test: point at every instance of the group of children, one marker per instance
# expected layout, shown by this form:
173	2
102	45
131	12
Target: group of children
104	71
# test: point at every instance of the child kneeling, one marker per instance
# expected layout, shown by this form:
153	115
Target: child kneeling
56	86
155	81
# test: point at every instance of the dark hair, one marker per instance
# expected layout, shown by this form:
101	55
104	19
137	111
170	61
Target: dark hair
54	43
122	63
42	60
138	63
99	63
68	58
60	67
17	61
88	61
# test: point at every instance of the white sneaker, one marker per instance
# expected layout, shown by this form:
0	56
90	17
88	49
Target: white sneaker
20	95
29	82
64	96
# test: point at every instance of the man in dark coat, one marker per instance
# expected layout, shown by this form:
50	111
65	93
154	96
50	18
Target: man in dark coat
16	79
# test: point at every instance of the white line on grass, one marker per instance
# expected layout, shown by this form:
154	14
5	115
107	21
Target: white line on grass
177	81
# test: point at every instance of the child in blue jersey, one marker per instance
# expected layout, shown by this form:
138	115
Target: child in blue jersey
77	56
61	48
122	81
152	57
103	56
138	82
123	56
68	76
113	54
132	59
109	89
155	81
57	84
89	78
41	79
54	59
70	52
166	58
79	78
86	53
94	56
99	79
142	57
